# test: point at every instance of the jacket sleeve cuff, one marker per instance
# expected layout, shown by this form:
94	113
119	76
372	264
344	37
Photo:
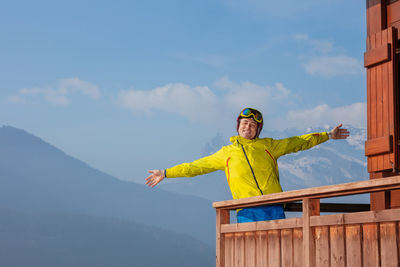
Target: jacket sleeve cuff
326	136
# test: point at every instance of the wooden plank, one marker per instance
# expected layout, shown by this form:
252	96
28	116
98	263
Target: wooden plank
274	248
287	247
377	55
372	111
370	245
369	89
239	250
387	79
379	104
374	185
398	240
261	248
392	103
322	246
389	244
229	250
378	145
298	247
262	225
391	215
338	253
353	245
310	207
222	216
394	126
376	16
381	99
393	13
250	251
389	119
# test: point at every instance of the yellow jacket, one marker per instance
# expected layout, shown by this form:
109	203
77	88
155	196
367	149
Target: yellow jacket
250	165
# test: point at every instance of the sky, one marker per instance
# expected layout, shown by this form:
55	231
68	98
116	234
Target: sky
128	86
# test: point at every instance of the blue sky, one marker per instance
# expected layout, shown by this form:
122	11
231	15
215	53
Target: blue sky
128	86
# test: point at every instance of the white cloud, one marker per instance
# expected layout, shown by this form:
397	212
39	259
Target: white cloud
203	103
213	106
323	58
329	66
15	99
58	95
321	115
194	103
321	46
250	94
75	84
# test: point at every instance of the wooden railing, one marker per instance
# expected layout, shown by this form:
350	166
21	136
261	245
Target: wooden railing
368	238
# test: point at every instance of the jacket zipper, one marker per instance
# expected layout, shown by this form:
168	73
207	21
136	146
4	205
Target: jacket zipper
251	168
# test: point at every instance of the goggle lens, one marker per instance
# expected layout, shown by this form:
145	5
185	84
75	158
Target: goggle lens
247	112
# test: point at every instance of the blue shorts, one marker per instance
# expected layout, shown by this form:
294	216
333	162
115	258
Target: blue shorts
263	213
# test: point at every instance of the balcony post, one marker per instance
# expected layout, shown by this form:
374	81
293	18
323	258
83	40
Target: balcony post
311	207
221	218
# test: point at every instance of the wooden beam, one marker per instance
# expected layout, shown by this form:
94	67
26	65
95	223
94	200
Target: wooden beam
310	208
222	217
377	55
391	215
262	225
378	145
375	185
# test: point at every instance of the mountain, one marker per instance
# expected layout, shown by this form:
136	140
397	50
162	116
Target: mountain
59	239
333	162
36	176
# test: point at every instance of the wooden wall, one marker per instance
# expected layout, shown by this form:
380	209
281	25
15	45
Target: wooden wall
356	239
383	111
368	238
381	100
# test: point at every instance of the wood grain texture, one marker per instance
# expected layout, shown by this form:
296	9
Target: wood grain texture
298	256
381	100
353	245
274	248
239	250
250	251
374	185
337	245
287	247
322	246
393	13
378	145
261	248
222	217
370	245
389	244
377	55
229	250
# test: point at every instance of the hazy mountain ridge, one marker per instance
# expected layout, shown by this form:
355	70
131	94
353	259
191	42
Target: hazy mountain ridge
60	239
37	177
333	162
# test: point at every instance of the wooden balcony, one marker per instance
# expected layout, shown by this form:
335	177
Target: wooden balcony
363	238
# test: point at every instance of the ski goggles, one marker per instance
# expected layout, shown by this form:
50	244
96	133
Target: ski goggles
248	112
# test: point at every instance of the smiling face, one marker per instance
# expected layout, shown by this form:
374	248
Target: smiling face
248	128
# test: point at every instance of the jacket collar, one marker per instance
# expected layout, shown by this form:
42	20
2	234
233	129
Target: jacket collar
241	140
